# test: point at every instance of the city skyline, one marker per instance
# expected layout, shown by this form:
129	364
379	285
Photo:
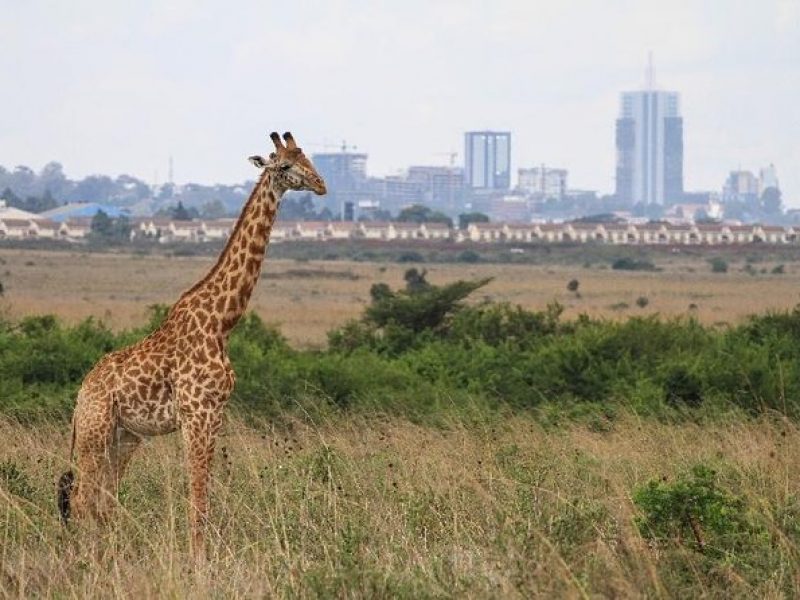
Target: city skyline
127	89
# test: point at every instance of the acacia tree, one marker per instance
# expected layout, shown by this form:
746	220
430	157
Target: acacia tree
419	213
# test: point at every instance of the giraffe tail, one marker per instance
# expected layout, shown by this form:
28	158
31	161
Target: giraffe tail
65	484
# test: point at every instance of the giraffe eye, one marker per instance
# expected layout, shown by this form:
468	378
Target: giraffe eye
285	167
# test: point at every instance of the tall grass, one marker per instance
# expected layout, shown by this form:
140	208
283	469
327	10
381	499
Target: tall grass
366	508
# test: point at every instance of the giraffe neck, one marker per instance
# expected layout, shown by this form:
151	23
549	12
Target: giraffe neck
225	291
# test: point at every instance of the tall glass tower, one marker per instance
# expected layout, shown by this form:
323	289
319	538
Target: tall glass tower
649	147
487	158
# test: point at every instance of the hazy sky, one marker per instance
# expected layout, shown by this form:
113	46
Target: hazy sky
113	87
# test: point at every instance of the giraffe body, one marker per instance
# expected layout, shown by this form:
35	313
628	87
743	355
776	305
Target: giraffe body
179	377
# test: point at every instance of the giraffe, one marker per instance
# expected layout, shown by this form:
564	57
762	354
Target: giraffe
179	377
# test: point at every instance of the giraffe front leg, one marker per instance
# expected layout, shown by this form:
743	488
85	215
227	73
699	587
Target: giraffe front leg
199	431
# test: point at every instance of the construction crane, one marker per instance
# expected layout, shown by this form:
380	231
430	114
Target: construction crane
343	147
451	155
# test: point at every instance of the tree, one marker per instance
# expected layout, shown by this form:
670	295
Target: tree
121	231
415	281
39	205
52	179
11	198
95	188
102	225
213	209
465	219
180	213
419	213
421	310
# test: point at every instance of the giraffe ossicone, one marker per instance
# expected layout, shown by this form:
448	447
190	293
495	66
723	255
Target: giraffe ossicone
179	377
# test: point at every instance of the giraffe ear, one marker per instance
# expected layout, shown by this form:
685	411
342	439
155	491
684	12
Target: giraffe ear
258	161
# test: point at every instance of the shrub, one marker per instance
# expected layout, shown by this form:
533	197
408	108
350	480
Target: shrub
468	256
410	256
642	301
682	387
718	265
573	285
693	511
631	264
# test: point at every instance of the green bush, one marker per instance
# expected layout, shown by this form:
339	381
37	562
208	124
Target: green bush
468	256
694	511
423	347
631	264
718	265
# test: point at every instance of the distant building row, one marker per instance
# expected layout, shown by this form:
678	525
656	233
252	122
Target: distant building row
168	231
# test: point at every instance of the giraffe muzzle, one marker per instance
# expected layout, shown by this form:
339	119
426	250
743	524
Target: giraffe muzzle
320	189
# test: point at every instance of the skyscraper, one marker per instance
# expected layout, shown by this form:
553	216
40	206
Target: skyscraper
345	175
649	141
487	160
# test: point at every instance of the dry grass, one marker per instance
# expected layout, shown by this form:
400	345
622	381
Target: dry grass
369	508
118	287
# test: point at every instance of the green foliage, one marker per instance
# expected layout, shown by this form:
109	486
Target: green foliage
15	480
631	264
466	219
423	347
696	512
34	204
718	265
396	321
410	256
180	213
468	256
418	213
106	230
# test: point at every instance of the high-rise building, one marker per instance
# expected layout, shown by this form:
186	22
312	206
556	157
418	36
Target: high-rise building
649	140
543	182
768	177
345	175
341	170
442	187
487	160
740	186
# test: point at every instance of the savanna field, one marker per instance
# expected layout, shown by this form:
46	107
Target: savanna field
633	434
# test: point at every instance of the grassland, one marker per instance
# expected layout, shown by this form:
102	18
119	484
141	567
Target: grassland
385	508
570	458
308	298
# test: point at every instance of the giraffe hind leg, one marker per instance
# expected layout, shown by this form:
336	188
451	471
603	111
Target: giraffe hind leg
125	444
95	488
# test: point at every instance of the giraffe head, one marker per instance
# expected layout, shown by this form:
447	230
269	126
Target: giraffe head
289	167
